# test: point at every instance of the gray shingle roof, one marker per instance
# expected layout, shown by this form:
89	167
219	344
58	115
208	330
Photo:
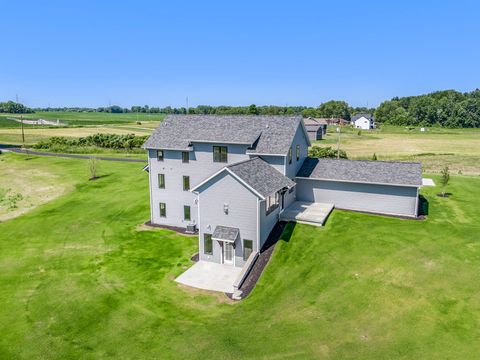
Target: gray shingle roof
379	172
314	121
225	233
358	116
265	134
261	176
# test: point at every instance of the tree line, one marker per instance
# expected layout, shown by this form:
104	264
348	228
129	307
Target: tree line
442	108
12	107
447	108
329	109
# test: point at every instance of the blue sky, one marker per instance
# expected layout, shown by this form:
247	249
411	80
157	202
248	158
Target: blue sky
92	53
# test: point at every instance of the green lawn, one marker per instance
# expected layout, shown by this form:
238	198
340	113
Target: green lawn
79	279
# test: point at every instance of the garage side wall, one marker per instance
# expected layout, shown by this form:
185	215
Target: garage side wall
384	199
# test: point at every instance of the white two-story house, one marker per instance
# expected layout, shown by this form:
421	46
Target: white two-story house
218	173
231	178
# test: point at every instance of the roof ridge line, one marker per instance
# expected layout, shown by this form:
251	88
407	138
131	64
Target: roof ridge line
375	161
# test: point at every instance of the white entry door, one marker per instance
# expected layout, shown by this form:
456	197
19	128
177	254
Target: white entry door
228	253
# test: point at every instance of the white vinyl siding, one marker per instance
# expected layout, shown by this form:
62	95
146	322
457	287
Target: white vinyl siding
384	199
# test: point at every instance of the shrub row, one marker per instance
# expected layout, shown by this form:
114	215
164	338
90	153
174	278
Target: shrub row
326	152
108	141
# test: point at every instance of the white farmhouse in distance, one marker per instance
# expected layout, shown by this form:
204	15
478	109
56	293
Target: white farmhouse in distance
363	121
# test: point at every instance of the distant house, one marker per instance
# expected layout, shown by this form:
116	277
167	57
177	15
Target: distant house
363	121
335	121
316	128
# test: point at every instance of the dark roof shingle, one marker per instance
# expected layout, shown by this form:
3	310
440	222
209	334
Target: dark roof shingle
264	134
225	233
378	172
261	176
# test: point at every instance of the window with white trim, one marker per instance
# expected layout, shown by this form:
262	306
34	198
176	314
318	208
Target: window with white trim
185	156
163	210
207	244
271	203
161	181
160	155
220	154
247	249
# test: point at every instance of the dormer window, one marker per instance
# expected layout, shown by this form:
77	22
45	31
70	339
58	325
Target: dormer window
298	152
220	154
185	156
160	155
290	155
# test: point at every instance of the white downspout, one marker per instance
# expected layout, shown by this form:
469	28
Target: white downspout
258	225
150	186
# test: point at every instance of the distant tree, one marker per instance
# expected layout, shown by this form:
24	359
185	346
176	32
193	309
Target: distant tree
374	157
310	113
93	167
252	109
334	109
444	179
12	107
115	109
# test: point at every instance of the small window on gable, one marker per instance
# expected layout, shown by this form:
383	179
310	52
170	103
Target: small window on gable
161	181
290	155
185	156
298	152
186	213
160	155
163	210
186	183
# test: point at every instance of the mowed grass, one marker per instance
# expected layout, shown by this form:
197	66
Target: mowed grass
435	148
80	279
36	185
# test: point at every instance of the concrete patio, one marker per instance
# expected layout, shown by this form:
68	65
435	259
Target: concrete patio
307	213
210	276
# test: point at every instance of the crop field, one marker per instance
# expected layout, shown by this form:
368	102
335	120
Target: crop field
34	134
84	118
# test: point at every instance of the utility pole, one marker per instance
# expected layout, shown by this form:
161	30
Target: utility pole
16	98
338	143
23	132
187	104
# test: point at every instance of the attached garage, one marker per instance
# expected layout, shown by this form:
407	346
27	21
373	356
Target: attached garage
371	186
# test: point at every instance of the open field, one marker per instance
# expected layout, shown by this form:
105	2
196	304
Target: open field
81	279
34	135
435	148
458	148
86	118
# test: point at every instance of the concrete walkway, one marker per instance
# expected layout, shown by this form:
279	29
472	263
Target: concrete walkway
428	182
210	276
307	213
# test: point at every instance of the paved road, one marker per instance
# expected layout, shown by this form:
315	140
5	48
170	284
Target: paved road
74	156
